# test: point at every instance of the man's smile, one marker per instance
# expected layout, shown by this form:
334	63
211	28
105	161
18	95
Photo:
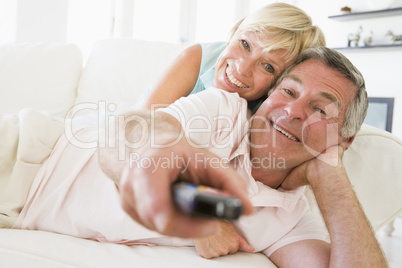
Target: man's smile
287	134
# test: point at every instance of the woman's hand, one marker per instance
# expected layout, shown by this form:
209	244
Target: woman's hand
226	241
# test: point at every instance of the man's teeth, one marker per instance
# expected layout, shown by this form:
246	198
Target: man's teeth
290	136
233	80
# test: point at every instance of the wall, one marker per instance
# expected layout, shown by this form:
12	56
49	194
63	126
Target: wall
46	20
8	18
42	20
380	67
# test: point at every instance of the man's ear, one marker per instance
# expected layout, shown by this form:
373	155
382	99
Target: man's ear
345	143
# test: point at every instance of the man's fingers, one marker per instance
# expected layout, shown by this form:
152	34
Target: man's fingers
147	196
234	184
332	156
150	203
244	245
220	176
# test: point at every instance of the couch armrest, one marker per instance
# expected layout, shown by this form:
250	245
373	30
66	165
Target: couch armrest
373	163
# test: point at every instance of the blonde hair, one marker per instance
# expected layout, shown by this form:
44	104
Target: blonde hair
289	28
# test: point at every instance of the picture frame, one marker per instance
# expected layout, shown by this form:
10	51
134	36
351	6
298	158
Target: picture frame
380	113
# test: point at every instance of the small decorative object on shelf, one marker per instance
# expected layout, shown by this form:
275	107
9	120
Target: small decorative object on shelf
368	40
355	37
394	38
346	10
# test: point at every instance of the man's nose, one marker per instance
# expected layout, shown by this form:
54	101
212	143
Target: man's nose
297	109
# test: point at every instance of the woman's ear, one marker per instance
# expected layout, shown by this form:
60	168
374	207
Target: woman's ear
347	141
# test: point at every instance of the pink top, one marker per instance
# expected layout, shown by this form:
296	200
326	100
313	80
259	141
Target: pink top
71	195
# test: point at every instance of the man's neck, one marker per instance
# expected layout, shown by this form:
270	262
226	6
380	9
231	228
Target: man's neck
272	177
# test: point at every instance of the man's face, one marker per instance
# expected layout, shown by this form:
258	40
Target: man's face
303	116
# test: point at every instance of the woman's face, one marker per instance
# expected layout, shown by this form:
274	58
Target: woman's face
245	68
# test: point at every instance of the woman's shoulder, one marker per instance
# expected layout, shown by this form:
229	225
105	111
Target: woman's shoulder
210	53
213	47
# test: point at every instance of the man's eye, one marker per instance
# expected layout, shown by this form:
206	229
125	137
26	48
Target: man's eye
320	111
245	44
288	91
269	68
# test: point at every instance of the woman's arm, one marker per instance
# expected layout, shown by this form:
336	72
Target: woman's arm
178	80
226	241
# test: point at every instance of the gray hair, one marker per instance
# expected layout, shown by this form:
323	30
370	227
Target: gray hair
357	110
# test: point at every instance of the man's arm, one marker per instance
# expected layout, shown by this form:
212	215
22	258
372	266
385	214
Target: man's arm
353	243
145	190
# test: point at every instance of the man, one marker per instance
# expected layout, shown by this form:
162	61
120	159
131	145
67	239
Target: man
312	116
297	137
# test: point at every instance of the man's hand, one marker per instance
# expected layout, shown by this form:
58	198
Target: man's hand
353	243
163	158
225	242
309	170
146	192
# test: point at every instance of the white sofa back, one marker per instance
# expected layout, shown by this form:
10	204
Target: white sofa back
39	76
120	70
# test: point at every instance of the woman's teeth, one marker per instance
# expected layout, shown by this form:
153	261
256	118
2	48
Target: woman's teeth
233	80
290	136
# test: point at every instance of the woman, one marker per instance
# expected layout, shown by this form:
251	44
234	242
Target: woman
259	49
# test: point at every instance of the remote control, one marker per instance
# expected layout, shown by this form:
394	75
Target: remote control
205	201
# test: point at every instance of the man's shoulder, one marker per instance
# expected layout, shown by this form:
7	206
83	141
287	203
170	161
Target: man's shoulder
220	93
223	99
210	103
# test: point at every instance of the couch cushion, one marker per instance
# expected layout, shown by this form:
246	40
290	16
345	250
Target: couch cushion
19	248
120	70
39	76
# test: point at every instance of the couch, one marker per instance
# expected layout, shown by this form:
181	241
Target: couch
41	84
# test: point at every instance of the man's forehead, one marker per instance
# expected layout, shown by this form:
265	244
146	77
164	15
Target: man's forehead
320	93
316	72
306	68
310	64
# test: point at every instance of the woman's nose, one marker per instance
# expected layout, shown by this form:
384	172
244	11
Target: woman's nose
244	67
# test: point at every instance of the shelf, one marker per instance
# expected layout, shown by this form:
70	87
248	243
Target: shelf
368	14
371	47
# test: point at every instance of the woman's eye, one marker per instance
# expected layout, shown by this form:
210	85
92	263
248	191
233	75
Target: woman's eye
245	44
269	68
